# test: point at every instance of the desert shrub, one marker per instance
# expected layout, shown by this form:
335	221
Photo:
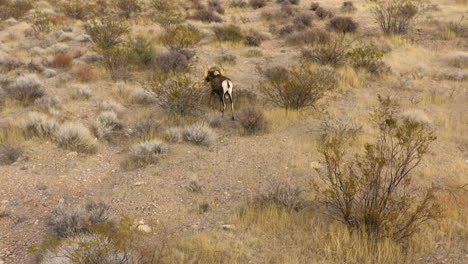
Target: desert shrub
62	60
77	9
2	98
309	37
254	38
198	134
323	13
344	128
314	6
143	96
111	105
297	87
367	58
254	53
84	73
288	2
281	195
145	153
14	8
147	128
175	135
395	16
216	5
26	89
106	124
226	59
286	30
69	222
166	13
47	102
206	15
116	61
459	60
257	3
348	7
343	25
331	53
238	3
459	28
231	33
40	125
173	60
141	51
81	91
372	192
302	21
76	137
128	7
9	154
8	62
106	33
40	22
180	94
253	121
181	37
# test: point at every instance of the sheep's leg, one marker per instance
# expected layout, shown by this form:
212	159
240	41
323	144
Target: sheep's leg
232	105
223	102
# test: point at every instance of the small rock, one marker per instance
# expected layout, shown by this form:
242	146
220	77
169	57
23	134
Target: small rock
11	21
228	227
144	228
49	73
138	183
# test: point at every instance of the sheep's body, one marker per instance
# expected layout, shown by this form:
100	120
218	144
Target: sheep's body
220	86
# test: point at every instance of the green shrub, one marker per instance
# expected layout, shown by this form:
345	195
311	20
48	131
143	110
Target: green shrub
106	33
331	53
116	61
166	13
372	192
297	87
231	33
181	37
140	50
367	58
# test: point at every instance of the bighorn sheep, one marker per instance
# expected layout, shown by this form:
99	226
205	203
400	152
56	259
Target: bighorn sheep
220	86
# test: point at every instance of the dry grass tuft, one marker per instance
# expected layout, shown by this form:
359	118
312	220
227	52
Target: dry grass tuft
9	154
145	153
76	137
40	125
26	89
253	121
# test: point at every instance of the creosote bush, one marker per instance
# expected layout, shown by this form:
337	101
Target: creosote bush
207	15
128	8
302	21
343	25
77	9
145	153
323	13
298	86
181	37
254	38
76	137
331	53
106	33
140	51
257	3
372	192
367	58
253	121
69	222
231	33
179	94
395	16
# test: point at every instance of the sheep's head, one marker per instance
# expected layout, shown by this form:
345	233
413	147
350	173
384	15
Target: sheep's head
213	72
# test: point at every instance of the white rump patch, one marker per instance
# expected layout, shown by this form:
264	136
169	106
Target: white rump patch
227	87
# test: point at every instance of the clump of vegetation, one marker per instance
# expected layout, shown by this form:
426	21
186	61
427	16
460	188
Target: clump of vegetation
254	38
216	5
76	137
181	37
257	3
106	124
288	2
166	13
314	6
40	22
343	25
395	16
231	33
128	7
145	153
26	89
297	87
77	9
281	195
198	134
372	192
172	61
9	154
14	8
175	135
253	121
81	91
47	102
238	3
323	13
207	15
147	128
366	57
106	33
84	73
331	53
140	51
116	61
308	37
348	7
227	59
40	125
69	222
302	21
62	60
181	94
